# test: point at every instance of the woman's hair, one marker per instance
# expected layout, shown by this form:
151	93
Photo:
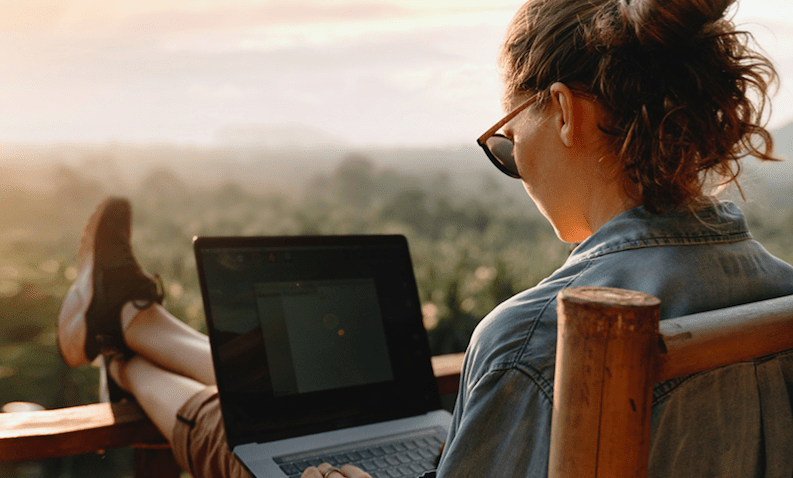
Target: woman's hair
683	92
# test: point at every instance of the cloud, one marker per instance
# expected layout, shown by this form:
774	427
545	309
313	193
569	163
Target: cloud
391	71
241	17
139	86
122	18
30	15
772	31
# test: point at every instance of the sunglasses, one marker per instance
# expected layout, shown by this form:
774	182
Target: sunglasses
498	147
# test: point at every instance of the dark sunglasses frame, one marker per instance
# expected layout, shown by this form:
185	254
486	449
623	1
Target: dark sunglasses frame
507	166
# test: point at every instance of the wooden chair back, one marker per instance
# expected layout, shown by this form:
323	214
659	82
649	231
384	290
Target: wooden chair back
611	350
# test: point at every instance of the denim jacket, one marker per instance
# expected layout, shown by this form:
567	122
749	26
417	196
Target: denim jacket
731	422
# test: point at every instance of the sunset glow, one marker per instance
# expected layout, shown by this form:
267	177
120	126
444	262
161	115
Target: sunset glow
201	72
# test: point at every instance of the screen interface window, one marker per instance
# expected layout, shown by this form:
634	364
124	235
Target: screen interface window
322	335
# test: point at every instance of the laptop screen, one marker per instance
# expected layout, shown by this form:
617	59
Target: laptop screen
310	334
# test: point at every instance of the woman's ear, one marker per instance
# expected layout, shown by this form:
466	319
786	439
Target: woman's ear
566	114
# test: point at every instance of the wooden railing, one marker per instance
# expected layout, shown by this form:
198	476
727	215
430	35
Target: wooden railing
38	435
609	344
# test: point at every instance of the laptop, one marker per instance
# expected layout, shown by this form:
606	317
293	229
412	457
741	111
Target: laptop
320	353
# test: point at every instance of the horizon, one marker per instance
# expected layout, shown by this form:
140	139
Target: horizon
408	73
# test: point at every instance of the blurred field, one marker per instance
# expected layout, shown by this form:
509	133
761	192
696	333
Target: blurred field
475	241
471	248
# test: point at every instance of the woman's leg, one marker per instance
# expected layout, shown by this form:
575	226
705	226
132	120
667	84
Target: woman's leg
186	412
158	336
159	392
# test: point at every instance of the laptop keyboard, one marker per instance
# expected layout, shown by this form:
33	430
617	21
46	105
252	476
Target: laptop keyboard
395	456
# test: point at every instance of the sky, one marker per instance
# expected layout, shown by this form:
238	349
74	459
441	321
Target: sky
307	72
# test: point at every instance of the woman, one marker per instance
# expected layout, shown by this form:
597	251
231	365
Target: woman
623	116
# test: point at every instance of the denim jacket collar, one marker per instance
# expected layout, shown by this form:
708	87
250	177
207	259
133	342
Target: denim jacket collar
712	223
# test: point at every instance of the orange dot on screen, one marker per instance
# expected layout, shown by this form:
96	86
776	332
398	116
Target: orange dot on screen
341	332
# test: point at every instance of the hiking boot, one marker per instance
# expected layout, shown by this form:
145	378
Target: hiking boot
89	322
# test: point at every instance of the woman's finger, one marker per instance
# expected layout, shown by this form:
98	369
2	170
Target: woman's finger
311	472
354	472
325	470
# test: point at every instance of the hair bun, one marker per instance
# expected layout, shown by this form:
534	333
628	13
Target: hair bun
669	22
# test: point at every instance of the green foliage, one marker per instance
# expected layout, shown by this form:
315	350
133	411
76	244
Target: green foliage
474	243
472	248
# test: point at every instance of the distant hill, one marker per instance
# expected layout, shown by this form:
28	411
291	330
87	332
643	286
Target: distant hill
262	167
121	166
783	140
771	183
780	173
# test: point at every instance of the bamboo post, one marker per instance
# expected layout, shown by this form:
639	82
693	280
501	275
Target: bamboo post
606	342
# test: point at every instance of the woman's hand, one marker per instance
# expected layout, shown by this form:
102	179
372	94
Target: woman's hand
326	470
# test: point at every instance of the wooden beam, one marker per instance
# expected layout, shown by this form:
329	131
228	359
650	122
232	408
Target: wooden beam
447	372
699	342
75	431
89	428
151	463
